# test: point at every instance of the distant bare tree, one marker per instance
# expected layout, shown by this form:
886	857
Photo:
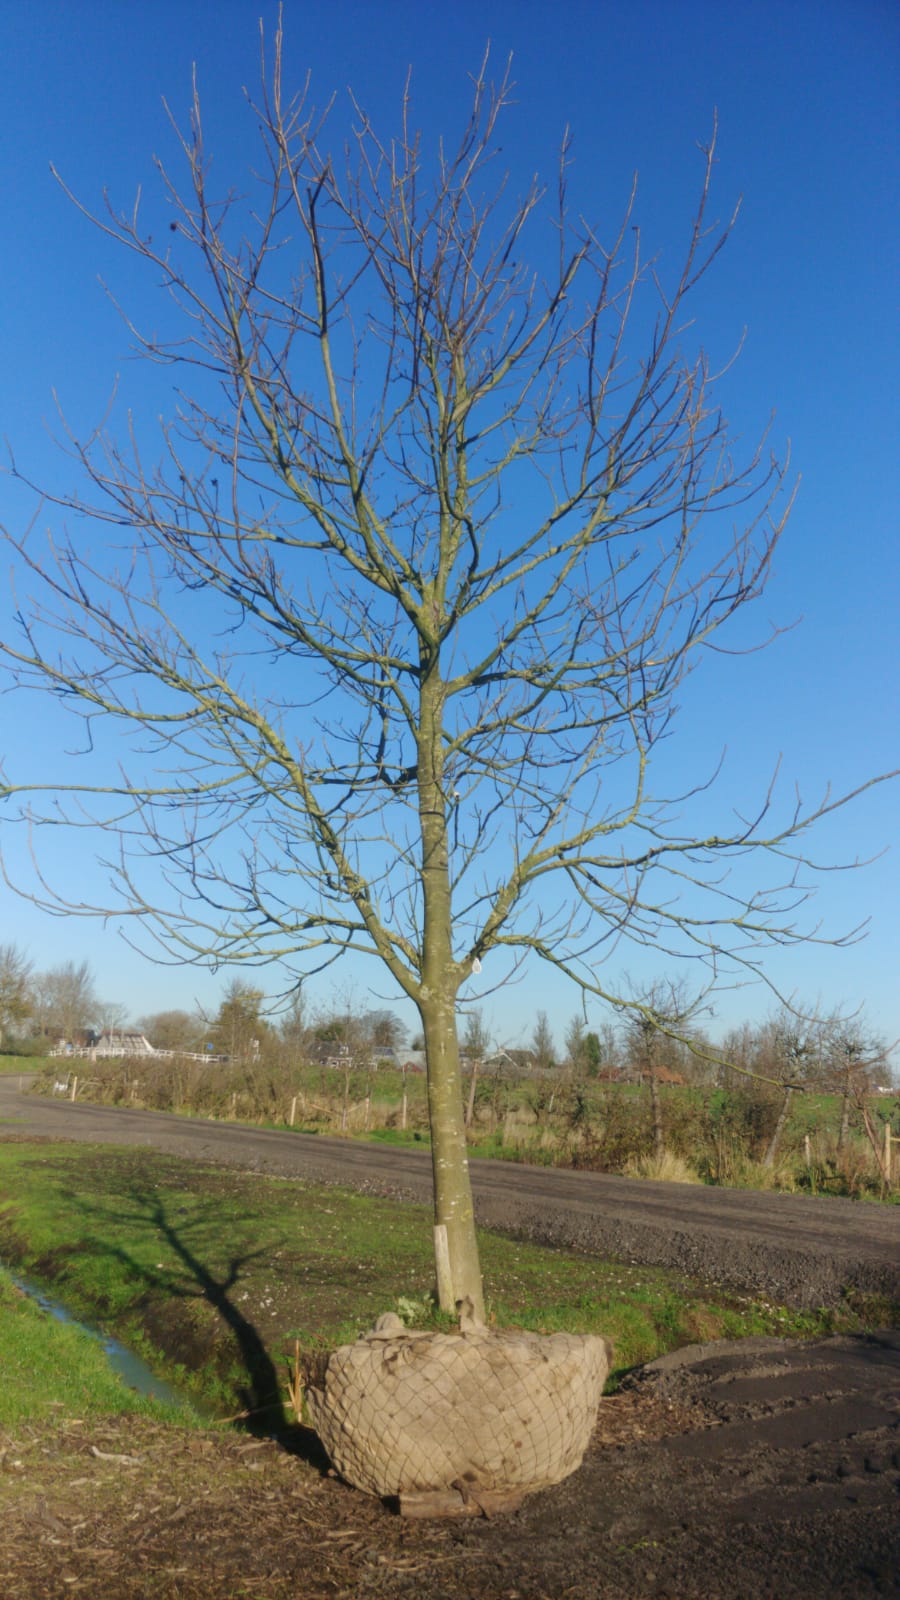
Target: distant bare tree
789	1048
476	1043
855	1061
660	1018
66	1004
111	1015
385	1029
174	1030
294	1026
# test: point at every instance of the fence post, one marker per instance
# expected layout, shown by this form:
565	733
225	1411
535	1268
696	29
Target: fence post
887	1152
293	1112
74	1089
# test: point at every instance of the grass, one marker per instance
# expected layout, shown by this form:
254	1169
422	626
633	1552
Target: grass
211	1274
13	1066
57	1371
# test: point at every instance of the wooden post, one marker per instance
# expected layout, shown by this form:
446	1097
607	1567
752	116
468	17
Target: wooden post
293	1112
446	1299
74	1089
807	1151
887	1152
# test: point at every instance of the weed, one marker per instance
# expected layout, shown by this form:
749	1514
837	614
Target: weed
665	1168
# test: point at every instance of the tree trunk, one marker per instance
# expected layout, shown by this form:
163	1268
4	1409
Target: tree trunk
659	1143
772	1148
473	1085
844	1131
453	1208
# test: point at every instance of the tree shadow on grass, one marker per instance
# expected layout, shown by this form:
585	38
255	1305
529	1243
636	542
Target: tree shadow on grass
261	1394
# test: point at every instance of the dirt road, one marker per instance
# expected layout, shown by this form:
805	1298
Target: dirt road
793	1249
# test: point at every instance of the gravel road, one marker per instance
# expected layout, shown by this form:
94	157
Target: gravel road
796	1250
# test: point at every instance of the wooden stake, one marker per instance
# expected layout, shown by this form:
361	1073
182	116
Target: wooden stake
442	1262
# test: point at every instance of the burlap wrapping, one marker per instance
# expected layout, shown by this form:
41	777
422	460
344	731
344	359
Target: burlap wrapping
401	1412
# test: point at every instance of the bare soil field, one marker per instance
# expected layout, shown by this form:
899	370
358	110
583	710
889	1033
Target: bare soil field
753	1470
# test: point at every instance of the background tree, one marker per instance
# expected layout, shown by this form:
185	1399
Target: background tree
174	1030
239	1027
111	1015
575	1045
659	1023
476	1043
592	1053
855	1061
543	1048
350	1036
790	1049
294	1029
386	1030
484	513
65	1001
16	1001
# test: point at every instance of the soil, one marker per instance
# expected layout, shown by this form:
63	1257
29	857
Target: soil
750	1471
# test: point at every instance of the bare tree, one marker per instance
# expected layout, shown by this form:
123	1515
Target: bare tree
855	1059
402	612
386	1030
660	1018
65	1001
787	1051
111	1015
173	1030
476	1043
349	1034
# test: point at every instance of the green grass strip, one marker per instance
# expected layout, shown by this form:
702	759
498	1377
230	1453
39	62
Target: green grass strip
58	1370
222	1270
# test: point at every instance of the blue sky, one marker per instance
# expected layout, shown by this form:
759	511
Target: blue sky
805	96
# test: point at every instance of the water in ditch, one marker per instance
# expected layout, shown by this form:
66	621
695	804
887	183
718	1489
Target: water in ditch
134	1372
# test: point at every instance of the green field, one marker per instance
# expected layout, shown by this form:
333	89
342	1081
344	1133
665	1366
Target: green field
212	1274
17	1065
